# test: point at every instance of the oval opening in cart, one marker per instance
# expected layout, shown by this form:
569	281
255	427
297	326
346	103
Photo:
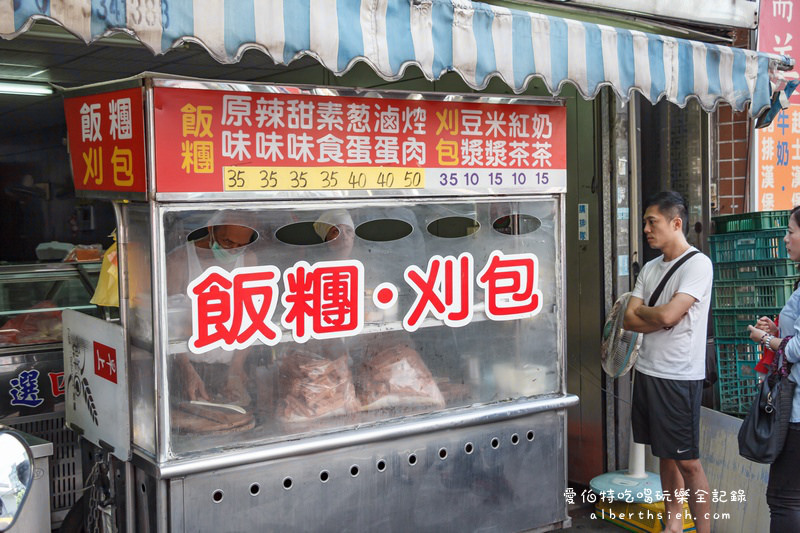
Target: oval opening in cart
384	230
516	224
228	235
453	227
301	233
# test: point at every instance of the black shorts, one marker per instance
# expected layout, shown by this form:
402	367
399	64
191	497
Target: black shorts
666	415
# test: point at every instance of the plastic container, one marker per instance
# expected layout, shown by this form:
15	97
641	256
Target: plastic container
753	293
756	221
780	268
732	322
748	246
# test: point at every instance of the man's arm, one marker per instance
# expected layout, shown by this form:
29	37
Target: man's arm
632	321
668	314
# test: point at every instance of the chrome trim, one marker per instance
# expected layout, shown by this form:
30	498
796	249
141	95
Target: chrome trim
160	338
178	82
469	416
561	256
347	194
44	269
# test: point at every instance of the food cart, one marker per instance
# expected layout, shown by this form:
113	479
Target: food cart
383	348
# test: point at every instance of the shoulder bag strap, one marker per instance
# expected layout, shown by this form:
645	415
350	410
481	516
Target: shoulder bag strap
663	282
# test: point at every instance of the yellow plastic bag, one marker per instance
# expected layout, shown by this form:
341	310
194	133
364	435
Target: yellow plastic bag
107	291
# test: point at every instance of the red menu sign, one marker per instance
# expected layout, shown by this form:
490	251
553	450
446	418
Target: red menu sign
106	141
219	141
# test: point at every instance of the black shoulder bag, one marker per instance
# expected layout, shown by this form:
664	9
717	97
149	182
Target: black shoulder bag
763	431
670	272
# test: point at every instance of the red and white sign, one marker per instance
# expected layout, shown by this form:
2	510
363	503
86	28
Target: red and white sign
105	362
779	33
106	141
777	147
232	310
215	141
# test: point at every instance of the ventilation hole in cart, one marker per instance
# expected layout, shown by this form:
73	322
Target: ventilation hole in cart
217	495
255	488
412	459
381	465
443	453
303	233
354	470
324	476
287	483
144	489
514	439
468	448
516	224
495	443
529	435
384	230
453	227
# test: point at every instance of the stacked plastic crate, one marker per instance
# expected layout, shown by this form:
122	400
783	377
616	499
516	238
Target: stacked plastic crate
753	277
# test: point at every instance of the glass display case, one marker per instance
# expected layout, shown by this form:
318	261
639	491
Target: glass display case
425	353
311	336
32	298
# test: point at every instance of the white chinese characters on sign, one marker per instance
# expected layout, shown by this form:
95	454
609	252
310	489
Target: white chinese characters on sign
232	310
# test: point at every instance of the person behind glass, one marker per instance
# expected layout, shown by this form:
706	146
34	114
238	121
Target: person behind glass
336	227
668	388
225	245
783	488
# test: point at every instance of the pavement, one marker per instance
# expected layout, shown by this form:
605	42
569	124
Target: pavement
582	520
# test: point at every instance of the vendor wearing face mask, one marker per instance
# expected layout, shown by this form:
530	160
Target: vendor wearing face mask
336	227
226	246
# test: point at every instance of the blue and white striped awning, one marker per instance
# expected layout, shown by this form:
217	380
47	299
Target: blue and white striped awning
476	40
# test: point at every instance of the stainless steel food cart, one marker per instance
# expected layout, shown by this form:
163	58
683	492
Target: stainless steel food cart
396	312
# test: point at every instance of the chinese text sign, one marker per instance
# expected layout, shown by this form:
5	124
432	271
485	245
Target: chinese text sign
777	148
215	141
106	141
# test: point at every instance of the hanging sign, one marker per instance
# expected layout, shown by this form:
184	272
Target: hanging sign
777	147
106	141
221	141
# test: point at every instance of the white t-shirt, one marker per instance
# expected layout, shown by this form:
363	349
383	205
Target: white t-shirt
680	352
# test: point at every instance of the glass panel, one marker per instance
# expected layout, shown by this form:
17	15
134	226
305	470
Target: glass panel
135	274
33	296
401	363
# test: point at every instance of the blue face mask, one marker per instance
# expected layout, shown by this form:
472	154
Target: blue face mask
224	255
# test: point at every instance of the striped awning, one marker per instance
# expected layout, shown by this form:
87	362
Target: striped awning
476	40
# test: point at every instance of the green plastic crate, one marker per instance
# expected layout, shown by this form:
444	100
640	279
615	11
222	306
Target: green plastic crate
753	293
732	322
780	268
756	221
748	246
736	396
738	380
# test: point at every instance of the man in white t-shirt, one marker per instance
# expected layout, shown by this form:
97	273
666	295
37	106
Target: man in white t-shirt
668	387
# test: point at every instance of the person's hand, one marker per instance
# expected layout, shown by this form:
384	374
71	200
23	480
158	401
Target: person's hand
235	390
766	324
194	386
756	334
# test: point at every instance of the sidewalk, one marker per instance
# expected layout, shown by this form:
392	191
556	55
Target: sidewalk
582	520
